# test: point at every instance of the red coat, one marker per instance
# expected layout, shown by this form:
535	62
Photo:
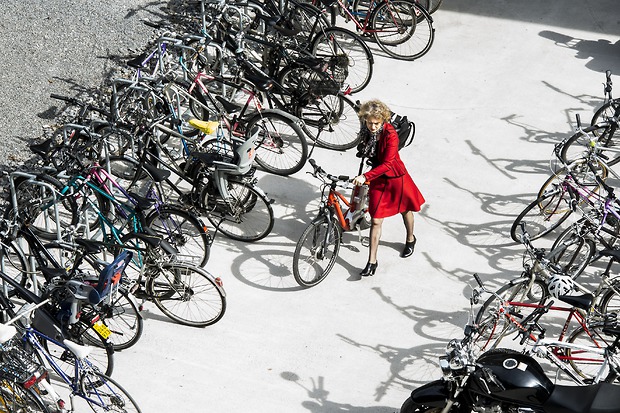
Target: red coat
391	188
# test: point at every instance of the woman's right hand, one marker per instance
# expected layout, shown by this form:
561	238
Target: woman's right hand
359	180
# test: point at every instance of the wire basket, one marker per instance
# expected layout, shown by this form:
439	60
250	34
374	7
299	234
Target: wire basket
18	364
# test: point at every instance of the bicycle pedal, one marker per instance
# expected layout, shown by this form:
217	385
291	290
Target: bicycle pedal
365	241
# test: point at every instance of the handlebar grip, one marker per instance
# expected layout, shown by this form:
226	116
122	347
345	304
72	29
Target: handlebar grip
312	162
578	118
478	280
343	178
151	24
60	97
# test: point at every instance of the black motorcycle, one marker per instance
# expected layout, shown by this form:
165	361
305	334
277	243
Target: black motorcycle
503	380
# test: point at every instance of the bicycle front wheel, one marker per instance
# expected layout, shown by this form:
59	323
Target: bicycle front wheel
543	215
282	148
494	325
103	394
316	253
245	216
608	137
187	294
402	29
184	231
572	252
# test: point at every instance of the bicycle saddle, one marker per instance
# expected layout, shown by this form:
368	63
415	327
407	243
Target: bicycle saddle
158	175
90	246
615	254
205	126
42	148
136	62
580	301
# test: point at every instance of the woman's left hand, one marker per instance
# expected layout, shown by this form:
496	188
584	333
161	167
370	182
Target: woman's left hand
359	180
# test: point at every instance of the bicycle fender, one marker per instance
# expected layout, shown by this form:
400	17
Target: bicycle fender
263	194
214	279
433	394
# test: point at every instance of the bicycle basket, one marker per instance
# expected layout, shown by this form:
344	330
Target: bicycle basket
18	364
338	68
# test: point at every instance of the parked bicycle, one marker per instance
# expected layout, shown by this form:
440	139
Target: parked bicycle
319	244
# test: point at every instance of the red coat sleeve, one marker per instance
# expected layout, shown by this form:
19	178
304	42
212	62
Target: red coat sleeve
387	153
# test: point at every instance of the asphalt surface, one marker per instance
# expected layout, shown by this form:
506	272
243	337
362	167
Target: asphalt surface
500	86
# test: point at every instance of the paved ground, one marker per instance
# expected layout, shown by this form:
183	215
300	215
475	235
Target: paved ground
500	86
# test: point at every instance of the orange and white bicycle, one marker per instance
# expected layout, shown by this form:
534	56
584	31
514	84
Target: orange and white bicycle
319	244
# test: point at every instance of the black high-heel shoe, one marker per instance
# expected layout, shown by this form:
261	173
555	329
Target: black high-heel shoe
409	247
369	269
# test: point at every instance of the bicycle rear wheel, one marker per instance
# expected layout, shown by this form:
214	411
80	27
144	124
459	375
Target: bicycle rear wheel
316	253
344	44
103	394
543	215
187	294
282	148
402	29
586	363
39	199
183	230
335	117
246	216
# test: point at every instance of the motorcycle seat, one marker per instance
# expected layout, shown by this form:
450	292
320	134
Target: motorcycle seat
595	398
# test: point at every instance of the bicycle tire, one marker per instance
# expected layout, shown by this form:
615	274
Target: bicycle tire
494	326
584	363
122	317
308	258
402	29
104	394
572	252
341	43
543	215
610	300
36	204
337	116
13	262
184	231
187	294
251	216
581	172
608	110
282	148
608	138
15	398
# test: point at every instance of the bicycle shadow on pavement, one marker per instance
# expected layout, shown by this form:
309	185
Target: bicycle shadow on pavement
601	54
319	402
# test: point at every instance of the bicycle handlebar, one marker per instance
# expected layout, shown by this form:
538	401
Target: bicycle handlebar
320	171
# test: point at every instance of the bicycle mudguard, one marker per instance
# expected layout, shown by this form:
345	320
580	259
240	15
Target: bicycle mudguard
433	394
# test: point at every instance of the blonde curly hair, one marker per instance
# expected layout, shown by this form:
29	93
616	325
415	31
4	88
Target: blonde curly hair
376	109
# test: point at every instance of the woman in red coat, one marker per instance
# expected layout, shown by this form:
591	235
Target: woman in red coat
392	191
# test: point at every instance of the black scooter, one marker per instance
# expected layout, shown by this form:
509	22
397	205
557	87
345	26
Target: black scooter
503	380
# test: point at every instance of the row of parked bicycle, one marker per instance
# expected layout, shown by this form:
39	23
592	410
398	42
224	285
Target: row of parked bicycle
110	217
562	309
